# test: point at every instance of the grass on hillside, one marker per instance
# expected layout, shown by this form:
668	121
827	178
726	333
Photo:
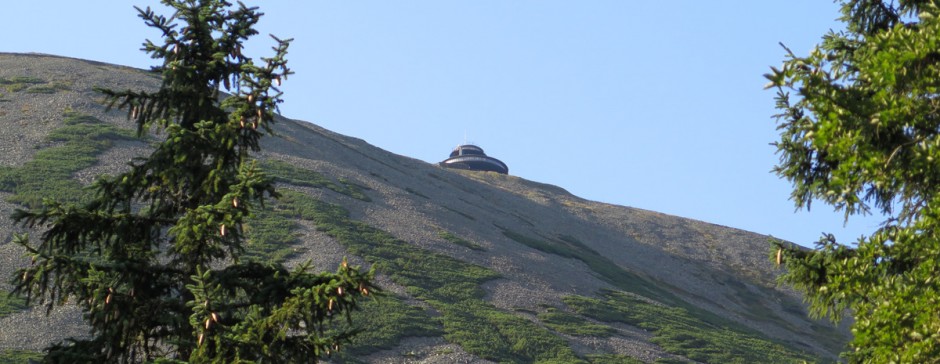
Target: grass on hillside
681	328
49	174
287	173
572	324
19	83
612	359
10	303
679	332
270	236
757	310
450	237
32	85
271	232
450	286
384	322
570	247
9	356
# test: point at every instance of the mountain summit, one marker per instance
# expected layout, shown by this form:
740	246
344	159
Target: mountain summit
476	266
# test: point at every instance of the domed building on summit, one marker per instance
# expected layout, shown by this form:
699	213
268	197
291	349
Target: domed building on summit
471	157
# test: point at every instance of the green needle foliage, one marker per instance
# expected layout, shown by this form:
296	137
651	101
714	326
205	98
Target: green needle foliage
153	258
860	131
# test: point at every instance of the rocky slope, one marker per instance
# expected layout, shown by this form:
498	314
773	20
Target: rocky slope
552	253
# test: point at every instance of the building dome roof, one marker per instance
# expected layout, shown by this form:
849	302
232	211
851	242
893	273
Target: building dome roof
467	149
472	157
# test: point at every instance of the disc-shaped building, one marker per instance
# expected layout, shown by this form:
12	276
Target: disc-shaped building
471	157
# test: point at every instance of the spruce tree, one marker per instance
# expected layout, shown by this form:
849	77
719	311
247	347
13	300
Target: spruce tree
860	131
153	258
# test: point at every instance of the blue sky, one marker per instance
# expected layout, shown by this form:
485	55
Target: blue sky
655	105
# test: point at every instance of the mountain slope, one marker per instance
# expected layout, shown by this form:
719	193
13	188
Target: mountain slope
477	265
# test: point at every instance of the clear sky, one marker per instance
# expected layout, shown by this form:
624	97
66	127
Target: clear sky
655	105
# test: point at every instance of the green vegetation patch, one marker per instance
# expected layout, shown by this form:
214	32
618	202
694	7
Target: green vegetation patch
570	247
61	85
271	234
450	286
450	237
272	231
483	330
385	321
19	83
22	79
612	359
572	324
49	173
9	356
15	87
679	332
672	361
10	303
287	173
